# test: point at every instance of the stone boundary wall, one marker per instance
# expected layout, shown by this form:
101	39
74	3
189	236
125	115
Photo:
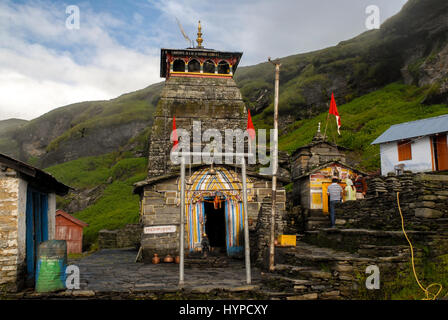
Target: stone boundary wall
129	236
9	250
423	201
261	233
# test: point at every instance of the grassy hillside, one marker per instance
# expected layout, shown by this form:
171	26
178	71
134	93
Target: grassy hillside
7	129
45	140
117	205
399	49
403	49
7	125
364	119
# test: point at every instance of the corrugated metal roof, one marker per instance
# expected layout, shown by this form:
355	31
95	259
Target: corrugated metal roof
414	129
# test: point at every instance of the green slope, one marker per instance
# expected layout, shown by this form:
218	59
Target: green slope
46	140
352	68
7	129
117	205
364	119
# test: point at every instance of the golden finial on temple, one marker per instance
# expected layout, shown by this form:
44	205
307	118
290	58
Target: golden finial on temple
199	39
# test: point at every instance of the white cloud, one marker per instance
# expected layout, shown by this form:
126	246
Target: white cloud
77	65
43	65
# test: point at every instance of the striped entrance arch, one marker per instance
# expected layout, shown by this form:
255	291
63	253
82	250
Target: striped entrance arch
203	184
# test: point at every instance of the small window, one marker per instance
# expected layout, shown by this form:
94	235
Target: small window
179	65
223	68
209	66
404	150
194	66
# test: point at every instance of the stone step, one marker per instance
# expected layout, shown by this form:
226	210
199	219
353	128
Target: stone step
351	240
285	284
383	251
290	270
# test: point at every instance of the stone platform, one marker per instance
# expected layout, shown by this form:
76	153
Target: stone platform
114	274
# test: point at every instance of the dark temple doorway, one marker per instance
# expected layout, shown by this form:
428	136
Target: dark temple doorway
215	225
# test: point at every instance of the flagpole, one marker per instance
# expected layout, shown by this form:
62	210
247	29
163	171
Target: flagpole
326	124
274	157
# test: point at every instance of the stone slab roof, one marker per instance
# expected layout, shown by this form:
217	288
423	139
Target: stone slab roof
153	180
328	164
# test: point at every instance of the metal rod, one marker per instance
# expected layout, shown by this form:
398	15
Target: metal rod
246	224
182	226
326	124
275	164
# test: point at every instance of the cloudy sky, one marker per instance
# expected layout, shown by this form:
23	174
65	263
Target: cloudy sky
44	64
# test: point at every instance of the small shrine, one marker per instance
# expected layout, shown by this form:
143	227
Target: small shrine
313	168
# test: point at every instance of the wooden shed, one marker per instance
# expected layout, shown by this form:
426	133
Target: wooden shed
70	229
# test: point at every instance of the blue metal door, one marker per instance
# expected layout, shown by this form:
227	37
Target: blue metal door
36	227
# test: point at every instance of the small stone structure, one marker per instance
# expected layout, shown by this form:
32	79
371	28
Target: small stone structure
315	154
160	207
312	168
27	218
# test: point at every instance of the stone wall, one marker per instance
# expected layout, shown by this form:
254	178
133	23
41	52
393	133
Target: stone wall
261	234
216	103
11	264
423	201
160	206
129	236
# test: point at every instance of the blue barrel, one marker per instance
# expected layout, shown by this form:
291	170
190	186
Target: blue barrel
51	265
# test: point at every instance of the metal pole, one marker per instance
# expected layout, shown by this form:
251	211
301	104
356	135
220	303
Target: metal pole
275	164
246	224
326	124
182	226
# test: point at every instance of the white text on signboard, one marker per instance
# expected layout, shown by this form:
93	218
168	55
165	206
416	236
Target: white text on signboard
159	229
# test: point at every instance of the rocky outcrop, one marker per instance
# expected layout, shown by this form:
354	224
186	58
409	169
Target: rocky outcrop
92	142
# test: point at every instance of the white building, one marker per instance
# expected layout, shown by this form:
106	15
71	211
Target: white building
418	146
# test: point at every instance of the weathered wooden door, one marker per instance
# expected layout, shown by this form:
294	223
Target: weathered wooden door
325	197
441	152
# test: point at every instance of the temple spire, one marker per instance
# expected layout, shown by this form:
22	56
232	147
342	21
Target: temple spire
199	39
318	136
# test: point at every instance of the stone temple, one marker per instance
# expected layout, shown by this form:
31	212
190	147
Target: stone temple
200	93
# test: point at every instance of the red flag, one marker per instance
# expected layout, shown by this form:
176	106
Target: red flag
334	110
174	134
250	126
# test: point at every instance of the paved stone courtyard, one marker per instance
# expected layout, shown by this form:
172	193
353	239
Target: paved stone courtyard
116	270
